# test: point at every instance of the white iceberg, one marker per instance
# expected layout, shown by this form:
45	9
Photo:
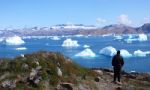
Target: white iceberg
1	39
86	46
70	43
15	40
86	53
55	38
130	36
79	35
111	51
22	55
118	37
125	53
108	51
140	53
142	37
130	40
106	35
21	48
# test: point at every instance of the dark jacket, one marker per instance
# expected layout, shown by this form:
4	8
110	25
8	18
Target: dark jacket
117	61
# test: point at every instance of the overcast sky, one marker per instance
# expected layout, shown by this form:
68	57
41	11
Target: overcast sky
20	13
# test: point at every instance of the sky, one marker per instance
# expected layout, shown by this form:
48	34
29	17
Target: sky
28	13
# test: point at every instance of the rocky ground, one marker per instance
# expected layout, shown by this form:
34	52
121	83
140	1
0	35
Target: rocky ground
53	71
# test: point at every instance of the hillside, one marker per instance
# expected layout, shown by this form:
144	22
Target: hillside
53	71
75	30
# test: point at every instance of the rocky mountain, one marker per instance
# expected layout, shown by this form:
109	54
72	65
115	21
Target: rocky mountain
64	29
145	28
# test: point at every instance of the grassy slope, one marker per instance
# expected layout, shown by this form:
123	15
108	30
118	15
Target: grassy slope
49	63
11	69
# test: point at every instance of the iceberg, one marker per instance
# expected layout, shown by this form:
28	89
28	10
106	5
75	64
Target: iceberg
21	48
70	43
106	35
125	53
86	46
108	51
140	53
118	37
111	51
79	35
22	55
1	39
131	36
129	40
86	53
15	40
142	37
55	38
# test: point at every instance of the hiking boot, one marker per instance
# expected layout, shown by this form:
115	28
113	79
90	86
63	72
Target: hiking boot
119	83
114	82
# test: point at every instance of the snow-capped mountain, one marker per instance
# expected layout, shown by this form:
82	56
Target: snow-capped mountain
75	29
73	26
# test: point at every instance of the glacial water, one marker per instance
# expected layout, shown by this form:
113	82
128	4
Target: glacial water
95	43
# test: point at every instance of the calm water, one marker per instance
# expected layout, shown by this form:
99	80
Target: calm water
96	43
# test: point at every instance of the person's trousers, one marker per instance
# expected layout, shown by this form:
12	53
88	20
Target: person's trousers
117	73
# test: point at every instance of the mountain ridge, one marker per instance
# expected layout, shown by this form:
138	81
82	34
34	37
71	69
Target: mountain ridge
75	29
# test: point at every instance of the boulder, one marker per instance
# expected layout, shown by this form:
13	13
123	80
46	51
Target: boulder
38	68
33	73
65	86
99	72
25	66
59	72
34	81
97	79
84	77
9	84
37	63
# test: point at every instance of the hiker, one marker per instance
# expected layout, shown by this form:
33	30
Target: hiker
117	63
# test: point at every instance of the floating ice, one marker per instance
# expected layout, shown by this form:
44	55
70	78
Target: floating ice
1	39
108	51
86	53
55	38
105	35
142	37
131	36
15	40
86	46
70	43
111	51
125	53
22	55
130	40
21	48
79	35
118	37
140	53
36	37
133	71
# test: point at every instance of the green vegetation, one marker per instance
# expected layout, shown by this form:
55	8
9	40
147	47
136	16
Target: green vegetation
49	62
48	70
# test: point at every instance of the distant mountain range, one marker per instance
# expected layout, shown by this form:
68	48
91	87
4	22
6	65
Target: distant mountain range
75	29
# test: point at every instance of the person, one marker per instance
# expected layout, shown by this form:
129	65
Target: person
117	63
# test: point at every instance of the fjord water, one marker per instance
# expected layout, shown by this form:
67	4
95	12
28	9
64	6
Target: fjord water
96	43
